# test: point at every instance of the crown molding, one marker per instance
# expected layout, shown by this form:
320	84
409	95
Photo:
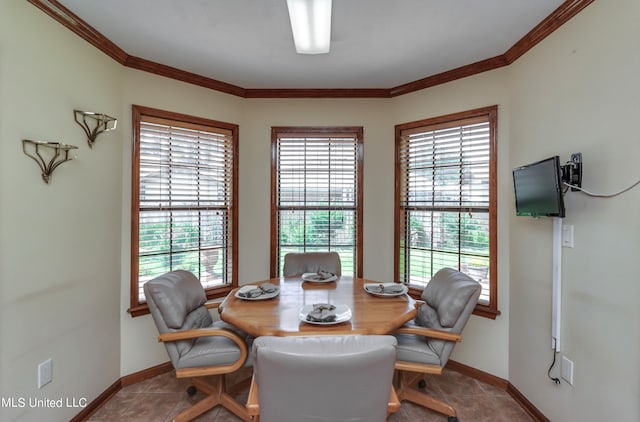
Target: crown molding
559	17
450	75
318	93
85	31
71	21
182	75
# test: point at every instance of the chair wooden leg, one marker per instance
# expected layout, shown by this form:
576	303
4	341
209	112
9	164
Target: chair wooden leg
406	382
210	389
407	392
197	409
240	386
215	396
234	407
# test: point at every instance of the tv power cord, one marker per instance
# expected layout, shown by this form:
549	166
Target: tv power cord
554	379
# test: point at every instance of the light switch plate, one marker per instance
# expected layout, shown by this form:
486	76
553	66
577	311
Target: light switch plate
567	235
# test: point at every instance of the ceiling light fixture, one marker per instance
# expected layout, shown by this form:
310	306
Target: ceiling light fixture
311	25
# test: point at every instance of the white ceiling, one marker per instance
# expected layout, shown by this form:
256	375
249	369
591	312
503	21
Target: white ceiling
374	43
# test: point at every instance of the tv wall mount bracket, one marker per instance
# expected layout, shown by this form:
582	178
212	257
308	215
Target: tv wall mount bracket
572	171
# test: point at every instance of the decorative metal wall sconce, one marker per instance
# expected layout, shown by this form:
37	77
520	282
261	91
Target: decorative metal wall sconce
94	124
58	152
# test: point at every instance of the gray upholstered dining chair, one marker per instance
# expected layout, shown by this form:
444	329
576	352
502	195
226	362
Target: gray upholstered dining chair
298	263
425	344
197	346
323	379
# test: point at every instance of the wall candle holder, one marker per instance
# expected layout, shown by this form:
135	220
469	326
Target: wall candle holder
59	153
94	124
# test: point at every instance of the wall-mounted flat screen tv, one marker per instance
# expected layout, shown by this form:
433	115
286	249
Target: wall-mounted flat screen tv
538	189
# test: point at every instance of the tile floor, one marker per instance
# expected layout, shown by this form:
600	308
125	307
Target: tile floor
162	397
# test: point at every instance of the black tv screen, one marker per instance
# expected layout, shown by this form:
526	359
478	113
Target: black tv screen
538	189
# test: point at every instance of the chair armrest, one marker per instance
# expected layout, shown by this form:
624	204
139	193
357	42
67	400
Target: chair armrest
394	403
208	332
199	332
429	332
253	403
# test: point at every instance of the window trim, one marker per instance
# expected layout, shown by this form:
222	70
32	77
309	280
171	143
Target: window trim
491	114
276	131
136	308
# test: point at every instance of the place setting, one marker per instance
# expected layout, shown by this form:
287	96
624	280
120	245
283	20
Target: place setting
325	314
260	292
386	289
319	277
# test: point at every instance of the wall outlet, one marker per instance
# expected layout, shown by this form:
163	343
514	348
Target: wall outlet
45	373
567	370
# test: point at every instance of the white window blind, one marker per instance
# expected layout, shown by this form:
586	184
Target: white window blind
444	200
186	174
317	181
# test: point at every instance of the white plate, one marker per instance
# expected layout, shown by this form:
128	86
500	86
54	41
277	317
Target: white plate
367	287
263	296
343	313
312	278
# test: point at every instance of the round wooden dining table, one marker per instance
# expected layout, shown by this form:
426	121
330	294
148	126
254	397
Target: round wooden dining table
280	315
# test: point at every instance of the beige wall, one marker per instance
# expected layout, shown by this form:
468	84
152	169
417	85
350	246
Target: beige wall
59	252
578	91
64	275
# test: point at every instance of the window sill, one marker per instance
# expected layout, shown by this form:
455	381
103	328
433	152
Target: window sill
214	298
486	312
139	310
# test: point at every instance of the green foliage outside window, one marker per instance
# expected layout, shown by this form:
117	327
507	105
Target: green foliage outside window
318	228
164	248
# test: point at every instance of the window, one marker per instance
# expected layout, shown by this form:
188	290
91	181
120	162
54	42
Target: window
317	194
184	201
445	200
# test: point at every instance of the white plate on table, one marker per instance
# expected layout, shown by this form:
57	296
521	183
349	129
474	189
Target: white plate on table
343	313
314	278
263	296
370	288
